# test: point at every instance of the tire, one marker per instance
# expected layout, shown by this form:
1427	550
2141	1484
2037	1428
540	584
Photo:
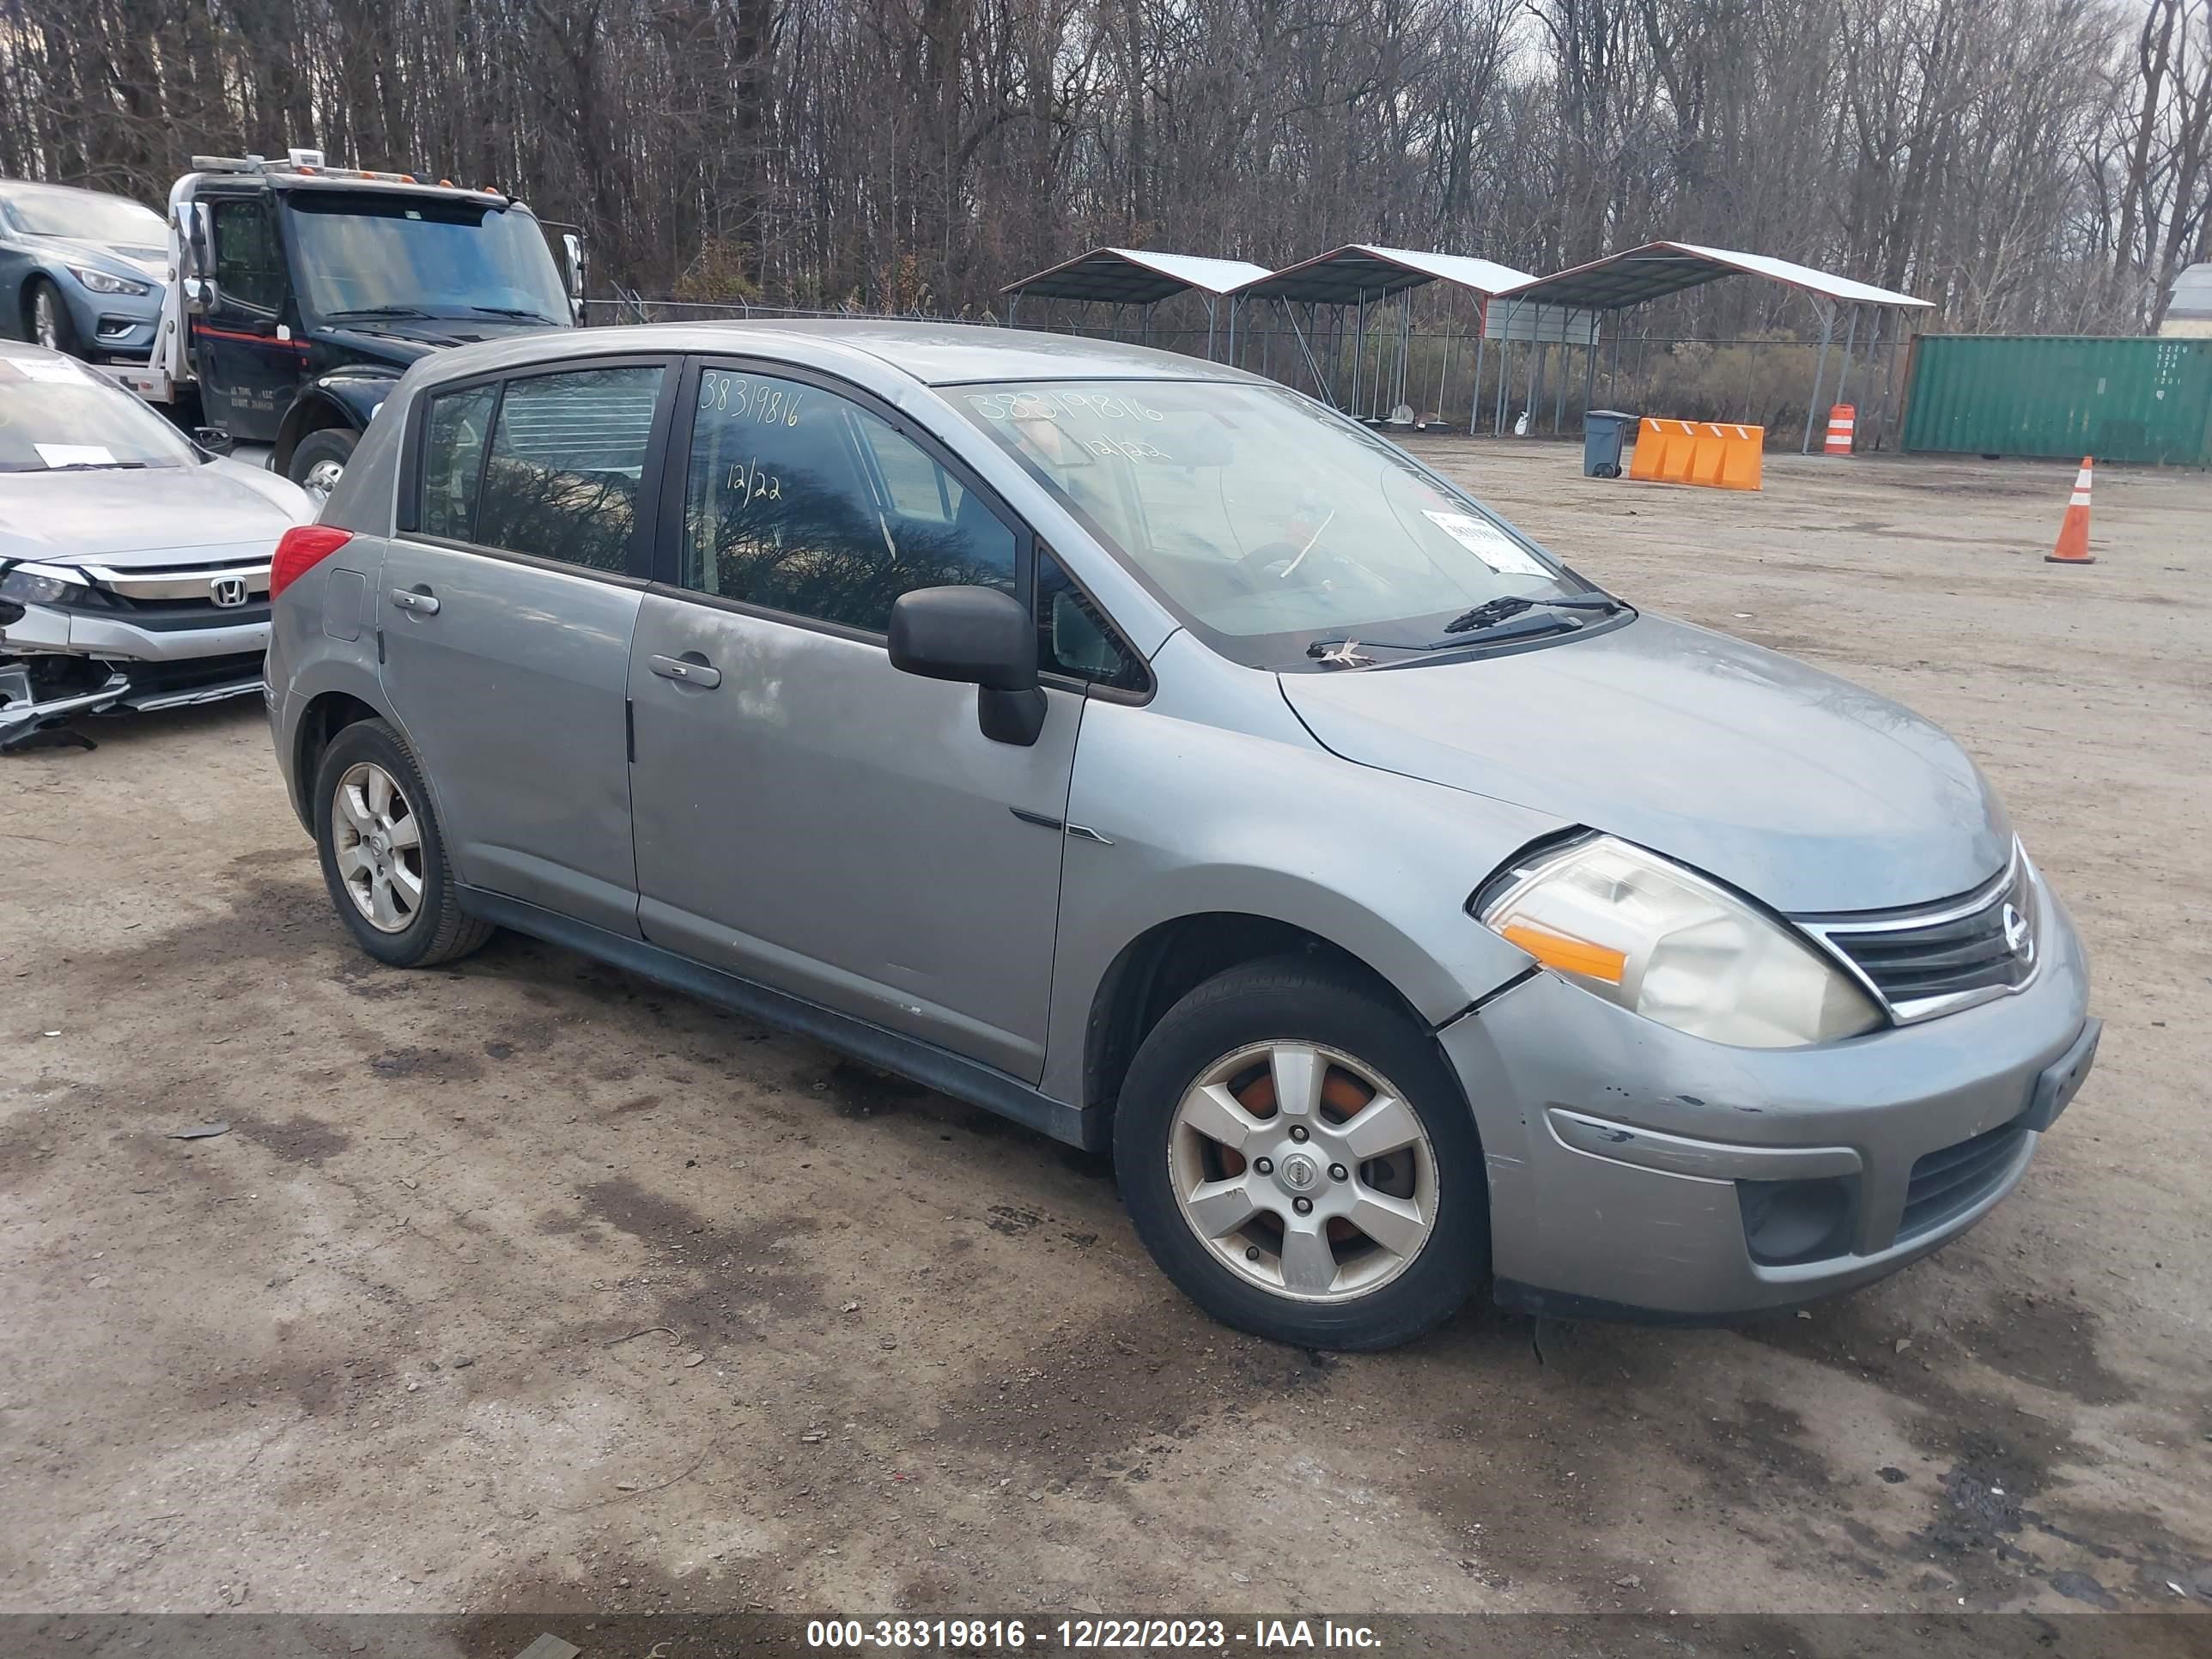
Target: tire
417	929
46	318
1245	1018
329	448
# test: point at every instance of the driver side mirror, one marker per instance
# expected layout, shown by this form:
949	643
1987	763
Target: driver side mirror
197	258
214	439
573	246
974	636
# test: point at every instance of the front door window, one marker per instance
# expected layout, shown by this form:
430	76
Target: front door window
249	266
801	502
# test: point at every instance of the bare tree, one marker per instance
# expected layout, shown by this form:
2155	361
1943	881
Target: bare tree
2025	163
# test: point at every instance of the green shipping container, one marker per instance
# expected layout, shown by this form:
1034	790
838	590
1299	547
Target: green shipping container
2147	400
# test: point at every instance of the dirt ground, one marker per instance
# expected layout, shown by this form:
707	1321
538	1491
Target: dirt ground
526	1285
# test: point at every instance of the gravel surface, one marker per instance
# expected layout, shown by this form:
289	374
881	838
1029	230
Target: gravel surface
526	1285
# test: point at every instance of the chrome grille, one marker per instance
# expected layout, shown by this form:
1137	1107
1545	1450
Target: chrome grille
183	581
1935	959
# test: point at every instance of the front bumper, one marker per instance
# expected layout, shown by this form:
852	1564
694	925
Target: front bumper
1621	1154
130	662
114	325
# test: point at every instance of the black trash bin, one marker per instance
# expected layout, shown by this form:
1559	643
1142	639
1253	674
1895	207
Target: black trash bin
1604	432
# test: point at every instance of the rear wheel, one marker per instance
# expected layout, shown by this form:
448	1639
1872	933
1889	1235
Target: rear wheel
320	460
50	324
383	860
1298	1157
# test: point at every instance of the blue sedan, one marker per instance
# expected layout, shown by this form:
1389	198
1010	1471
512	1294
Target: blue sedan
79	271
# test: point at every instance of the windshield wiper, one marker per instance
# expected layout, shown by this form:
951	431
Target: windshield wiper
377	311
1493	629
517	310
103	466
1494	611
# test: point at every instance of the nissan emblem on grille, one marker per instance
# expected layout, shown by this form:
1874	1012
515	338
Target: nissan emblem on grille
229	592
2018	939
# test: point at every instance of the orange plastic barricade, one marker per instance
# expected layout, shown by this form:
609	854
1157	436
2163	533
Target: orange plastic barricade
1842	420
1719	455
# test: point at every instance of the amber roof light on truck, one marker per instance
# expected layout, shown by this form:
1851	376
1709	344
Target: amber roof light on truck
309	164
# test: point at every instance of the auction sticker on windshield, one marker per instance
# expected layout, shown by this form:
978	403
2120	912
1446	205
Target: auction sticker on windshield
1488	543
60	371
57	455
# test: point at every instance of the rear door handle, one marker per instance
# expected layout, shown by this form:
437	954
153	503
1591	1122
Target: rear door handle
422	605
704	675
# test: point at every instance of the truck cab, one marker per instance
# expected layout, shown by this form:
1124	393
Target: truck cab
299	292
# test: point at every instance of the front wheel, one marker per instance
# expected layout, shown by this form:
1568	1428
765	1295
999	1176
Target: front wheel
320	461
51	326
1298	1158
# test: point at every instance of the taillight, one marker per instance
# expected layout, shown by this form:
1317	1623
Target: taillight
301	549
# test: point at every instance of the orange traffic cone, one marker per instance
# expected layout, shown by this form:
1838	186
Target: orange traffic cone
2073	533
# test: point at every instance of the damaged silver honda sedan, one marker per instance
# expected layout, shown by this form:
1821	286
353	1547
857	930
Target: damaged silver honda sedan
134	564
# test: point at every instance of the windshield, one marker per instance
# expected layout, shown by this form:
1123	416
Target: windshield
55	416
85	215
423	255
1267	523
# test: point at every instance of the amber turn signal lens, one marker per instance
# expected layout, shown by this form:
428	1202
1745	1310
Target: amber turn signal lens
1568	955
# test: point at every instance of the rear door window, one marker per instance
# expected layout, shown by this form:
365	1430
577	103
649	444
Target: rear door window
565	466
452	461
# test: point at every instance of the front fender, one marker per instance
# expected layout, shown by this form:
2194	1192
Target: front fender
348	397
1194	816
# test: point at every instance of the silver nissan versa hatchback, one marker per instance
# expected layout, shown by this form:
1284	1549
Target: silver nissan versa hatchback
1135	748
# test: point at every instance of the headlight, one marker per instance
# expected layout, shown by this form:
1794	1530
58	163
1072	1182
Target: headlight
34	584
1651	936
100	282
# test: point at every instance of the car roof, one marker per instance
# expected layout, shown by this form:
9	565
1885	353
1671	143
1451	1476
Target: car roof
37	187
933	353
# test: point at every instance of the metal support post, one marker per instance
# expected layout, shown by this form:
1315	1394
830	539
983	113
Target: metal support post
1819	373
1321	382
1851	338
1481	335
1589	368
1358	351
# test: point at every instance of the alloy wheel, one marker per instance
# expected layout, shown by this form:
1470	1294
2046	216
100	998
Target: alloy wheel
378	842
45	323
1303	1170
322	478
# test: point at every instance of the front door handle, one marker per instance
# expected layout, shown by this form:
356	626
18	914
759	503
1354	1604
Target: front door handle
690	673
408	599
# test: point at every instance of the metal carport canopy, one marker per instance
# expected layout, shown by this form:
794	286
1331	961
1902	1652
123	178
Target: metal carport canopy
1346	276
1658	269
1136	277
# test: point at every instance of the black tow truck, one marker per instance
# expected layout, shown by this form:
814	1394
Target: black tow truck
299	292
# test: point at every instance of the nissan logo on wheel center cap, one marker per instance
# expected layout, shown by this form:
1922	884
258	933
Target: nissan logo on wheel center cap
1299	1172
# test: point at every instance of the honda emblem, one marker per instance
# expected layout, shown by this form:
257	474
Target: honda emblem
229	592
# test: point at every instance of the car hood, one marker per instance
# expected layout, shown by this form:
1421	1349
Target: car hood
147	263
144	518
1797	786
403	339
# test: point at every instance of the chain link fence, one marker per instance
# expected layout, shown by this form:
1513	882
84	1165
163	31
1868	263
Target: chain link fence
1443	377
